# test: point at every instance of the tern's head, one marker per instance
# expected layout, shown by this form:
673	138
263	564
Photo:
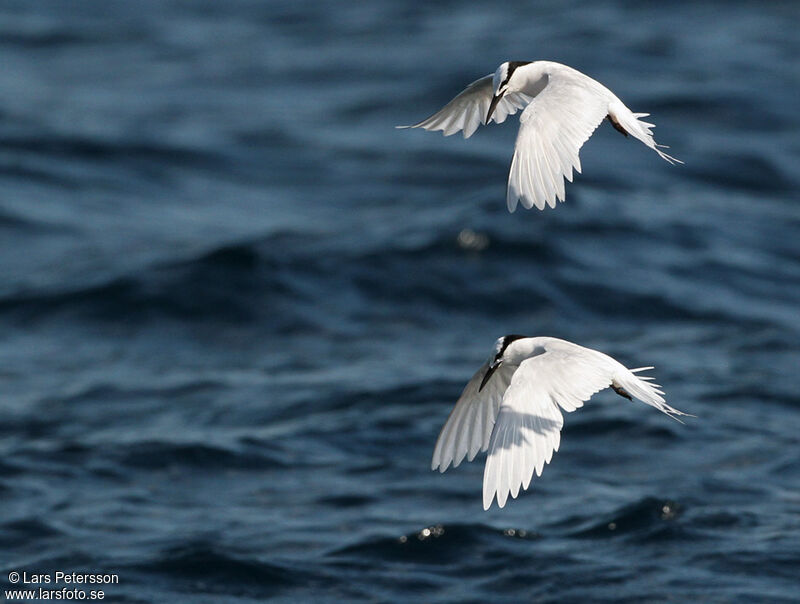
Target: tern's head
504	81
503	352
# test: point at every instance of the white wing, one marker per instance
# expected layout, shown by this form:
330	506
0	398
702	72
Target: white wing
468	110
529	421
552	131
554	127
469	426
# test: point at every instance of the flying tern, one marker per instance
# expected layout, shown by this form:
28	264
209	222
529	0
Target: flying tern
561	106
512	407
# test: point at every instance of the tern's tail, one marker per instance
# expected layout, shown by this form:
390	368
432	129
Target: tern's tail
638	129
642	388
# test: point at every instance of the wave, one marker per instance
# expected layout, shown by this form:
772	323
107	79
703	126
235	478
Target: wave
208	568
214	285
113	150
278	282
23	532
160	454
648	519
437	545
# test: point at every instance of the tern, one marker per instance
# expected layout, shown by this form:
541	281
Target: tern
561	106
512	407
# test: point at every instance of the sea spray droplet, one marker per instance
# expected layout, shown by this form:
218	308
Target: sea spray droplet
519	533
430	531
472	241
668	510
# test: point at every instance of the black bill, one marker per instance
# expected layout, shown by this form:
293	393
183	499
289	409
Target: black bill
493	106
488	374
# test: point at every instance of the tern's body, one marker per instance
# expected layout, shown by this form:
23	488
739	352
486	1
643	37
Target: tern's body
512	407
561	109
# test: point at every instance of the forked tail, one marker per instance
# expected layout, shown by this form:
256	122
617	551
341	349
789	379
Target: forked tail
641	387
628	122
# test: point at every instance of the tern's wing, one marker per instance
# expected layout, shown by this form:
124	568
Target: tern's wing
529	421
469	426
552	130
554	127
468	110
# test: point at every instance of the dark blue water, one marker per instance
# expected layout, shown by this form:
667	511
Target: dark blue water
235	312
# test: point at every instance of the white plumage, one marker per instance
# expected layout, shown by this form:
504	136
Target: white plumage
561	109
512	407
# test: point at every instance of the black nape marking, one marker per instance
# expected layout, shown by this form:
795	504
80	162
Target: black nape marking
617	126
512	65
506	341
621	391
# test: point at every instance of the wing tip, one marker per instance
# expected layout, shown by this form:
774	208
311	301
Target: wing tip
440	461
441	465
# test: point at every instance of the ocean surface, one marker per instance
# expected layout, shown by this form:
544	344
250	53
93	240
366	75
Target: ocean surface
237	305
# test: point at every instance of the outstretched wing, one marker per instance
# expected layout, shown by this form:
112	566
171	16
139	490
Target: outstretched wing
469	426
468	110
528	426
553	128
